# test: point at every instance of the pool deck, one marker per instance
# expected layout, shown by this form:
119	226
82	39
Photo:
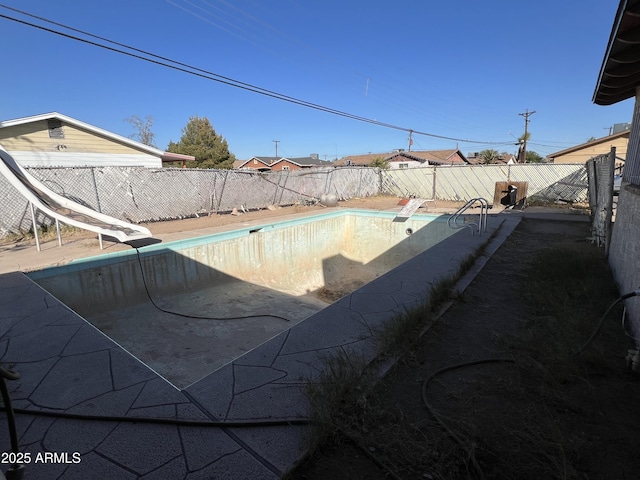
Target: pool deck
68	366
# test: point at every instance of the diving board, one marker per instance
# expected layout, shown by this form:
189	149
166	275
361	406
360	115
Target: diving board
409	209
62	209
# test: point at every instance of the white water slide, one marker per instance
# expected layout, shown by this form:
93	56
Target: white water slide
64	210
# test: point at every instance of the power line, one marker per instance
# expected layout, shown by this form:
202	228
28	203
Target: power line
186	68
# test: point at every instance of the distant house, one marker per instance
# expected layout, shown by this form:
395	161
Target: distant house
56	140
256	163
283	163
475	158
404	159
583	152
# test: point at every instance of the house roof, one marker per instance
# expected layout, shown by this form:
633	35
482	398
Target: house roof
264	160
300	161
608	138
434	157
165	156
503	159
361	159
437	157
620	70
306	161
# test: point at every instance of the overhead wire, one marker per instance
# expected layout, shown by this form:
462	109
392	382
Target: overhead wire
203	18
406	101
202	73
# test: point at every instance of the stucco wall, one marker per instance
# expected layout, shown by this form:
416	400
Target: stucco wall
624	253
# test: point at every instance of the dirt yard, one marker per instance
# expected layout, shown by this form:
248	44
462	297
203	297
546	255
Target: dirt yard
500	420
371	203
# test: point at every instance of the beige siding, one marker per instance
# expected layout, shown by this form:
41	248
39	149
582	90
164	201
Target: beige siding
584	154
34	137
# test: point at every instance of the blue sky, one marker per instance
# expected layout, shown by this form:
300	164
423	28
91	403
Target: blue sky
461	69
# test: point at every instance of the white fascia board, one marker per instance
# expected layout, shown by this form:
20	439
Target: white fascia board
78	159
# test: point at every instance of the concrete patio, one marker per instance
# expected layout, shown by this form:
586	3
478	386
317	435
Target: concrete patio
254	407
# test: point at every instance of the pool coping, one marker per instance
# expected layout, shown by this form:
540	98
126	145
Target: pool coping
67	365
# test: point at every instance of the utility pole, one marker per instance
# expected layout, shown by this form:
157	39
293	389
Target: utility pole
276	142
410	139
526	116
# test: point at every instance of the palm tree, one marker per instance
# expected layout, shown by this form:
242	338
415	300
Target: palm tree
380	163
489	156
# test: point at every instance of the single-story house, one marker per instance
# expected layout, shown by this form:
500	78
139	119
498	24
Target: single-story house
583	152
408	159
56	140
475	158
256	163
619	80
282	163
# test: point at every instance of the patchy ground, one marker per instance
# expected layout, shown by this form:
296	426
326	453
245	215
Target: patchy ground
538	418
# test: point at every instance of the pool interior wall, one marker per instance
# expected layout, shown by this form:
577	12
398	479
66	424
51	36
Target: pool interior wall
252	283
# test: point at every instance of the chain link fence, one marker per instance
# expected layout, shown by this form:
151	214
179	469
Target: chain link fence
547	183
600	171
147	194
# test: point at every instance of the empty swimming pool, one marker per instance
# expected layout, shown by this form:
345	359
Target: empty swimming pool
233	291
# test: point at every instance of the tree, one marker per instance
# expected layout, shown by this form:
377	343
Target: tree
534	157
143	129
200	140
380	163
489	156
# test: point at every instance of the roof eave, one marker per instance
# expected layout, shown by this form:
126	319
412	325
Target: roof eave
176	157
618	76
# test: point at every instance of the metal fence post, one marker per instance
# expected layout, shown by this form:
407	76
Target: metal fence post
608	203
327	183
224	182
433	186
95	186
284	184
